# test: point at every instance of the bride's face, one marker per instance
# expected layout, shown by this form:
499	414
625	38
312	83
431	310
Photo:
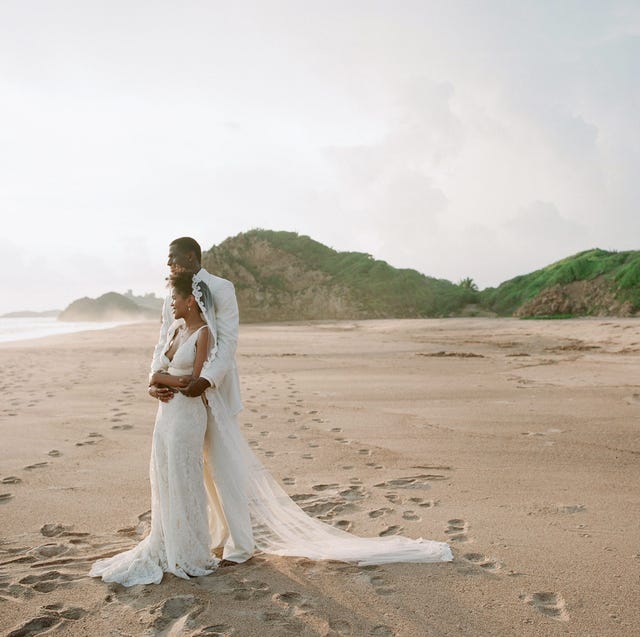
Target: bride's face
179	304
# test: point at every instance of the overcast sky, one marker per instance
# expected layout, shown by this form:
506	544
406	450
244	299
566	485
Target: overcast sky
481	138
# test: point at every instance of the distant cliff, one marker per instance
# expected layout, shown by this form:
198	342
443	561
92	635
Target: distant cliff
590	283
113	307
285	276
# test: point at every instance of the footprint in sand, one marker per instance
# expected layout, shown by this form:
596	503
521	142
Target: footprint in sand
378	513
54	453
36	465
307	456
50	550
251	589
290	606
122	427
421	481
324	487
11	480
379	582
343	525
288	481
484	562
457	530
382	631
425	504
5	497
51	615
218	630
174	614
411	515
354	493
394	529
340	628
550	604
294	603
46	582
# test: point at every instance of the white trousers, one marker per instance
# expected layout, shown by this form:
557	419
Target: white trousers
229	519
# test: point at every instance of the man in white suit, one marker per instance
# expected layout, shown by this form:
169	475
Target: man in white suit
219	374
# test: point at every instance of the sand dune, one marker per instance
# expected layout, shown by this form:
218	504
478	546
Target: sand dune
515	441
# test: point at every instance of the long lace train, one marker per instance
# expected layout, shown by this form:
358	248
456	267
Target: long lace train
281	527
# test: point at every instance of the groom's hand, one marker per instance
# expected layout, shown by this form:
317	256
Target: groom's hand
196	387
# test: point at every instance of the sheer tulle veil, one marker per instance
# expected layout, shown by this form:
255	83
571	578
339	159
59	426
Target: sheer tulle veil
278	524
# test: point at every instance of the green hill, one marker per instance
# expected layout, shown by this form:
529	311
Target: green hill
286	276
590	283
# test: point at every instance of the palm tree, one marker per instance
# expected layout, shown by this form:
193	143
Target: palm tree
468	284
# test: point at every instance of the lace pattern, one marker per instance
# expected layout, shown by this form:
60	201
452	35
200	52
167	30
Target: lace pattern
179	541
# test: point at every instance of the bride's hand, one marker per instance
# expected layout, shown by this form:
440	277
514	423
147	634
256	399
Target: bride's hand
163	394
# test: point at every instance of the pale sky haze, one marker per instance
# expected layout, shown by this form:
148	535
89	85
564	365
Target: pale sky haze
479	138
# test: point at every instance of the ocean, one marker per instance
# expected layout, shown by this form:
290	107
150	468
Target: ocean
19	329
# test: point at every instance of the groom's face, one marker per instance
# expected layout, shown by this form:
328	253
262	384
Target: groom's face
179	261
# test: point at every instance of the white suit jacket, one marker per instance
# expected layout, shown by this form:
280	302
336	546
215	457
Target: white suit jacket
220	368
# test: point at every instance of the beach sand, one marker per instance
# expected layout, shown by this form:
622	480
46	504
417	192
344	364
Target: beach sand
516	441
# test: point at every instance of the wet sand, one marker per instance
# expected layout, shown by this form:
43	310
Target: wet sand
516	441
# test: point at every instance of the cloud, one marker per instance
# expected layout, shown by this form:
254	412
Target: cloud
441	138
541	221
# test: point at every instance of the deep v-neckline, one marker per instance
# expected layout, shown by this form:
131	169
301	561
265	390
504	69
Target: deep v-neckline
181	344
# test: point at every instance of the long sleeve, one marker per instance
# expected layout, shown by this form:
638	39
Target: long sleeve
167	319
227	322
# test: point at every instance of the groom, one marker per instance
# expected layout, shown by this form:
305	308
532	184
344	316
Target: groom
219	374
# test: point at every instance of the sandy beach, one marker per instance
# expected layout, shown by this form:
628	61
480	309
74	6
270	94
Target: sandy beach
516	441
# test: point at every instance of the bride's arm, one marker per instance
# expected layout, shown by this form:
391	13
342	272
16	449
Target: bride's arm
202	351
169	380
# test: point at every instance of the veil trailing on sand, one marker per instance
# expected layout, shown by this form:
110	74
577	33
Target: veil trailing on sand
278	524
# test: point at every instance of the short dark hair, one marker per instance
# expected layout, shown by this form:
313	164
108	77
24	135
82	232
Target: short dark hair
187	244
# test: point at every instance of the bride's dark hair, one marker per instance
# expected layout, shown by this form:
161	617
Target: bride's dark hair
181	282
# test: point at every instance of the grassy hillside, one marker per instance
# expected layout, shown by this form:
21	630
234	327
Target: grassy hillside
286	276
588	283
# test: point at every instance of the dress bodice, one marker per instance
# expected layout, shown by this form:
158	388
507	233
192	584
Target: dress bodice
184	357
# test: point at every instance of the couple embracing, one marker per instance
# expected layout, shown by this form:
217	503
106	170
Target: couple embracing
208	489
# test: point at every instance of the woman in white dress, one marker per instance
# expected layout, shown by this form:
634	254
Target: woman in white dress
183	486
179	541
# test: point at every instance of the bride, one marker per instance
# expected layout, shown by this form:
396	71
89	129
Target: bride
208	488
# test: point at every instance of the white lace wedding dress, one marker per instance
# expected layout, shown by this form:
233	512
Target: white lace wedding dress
179	541
189	507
